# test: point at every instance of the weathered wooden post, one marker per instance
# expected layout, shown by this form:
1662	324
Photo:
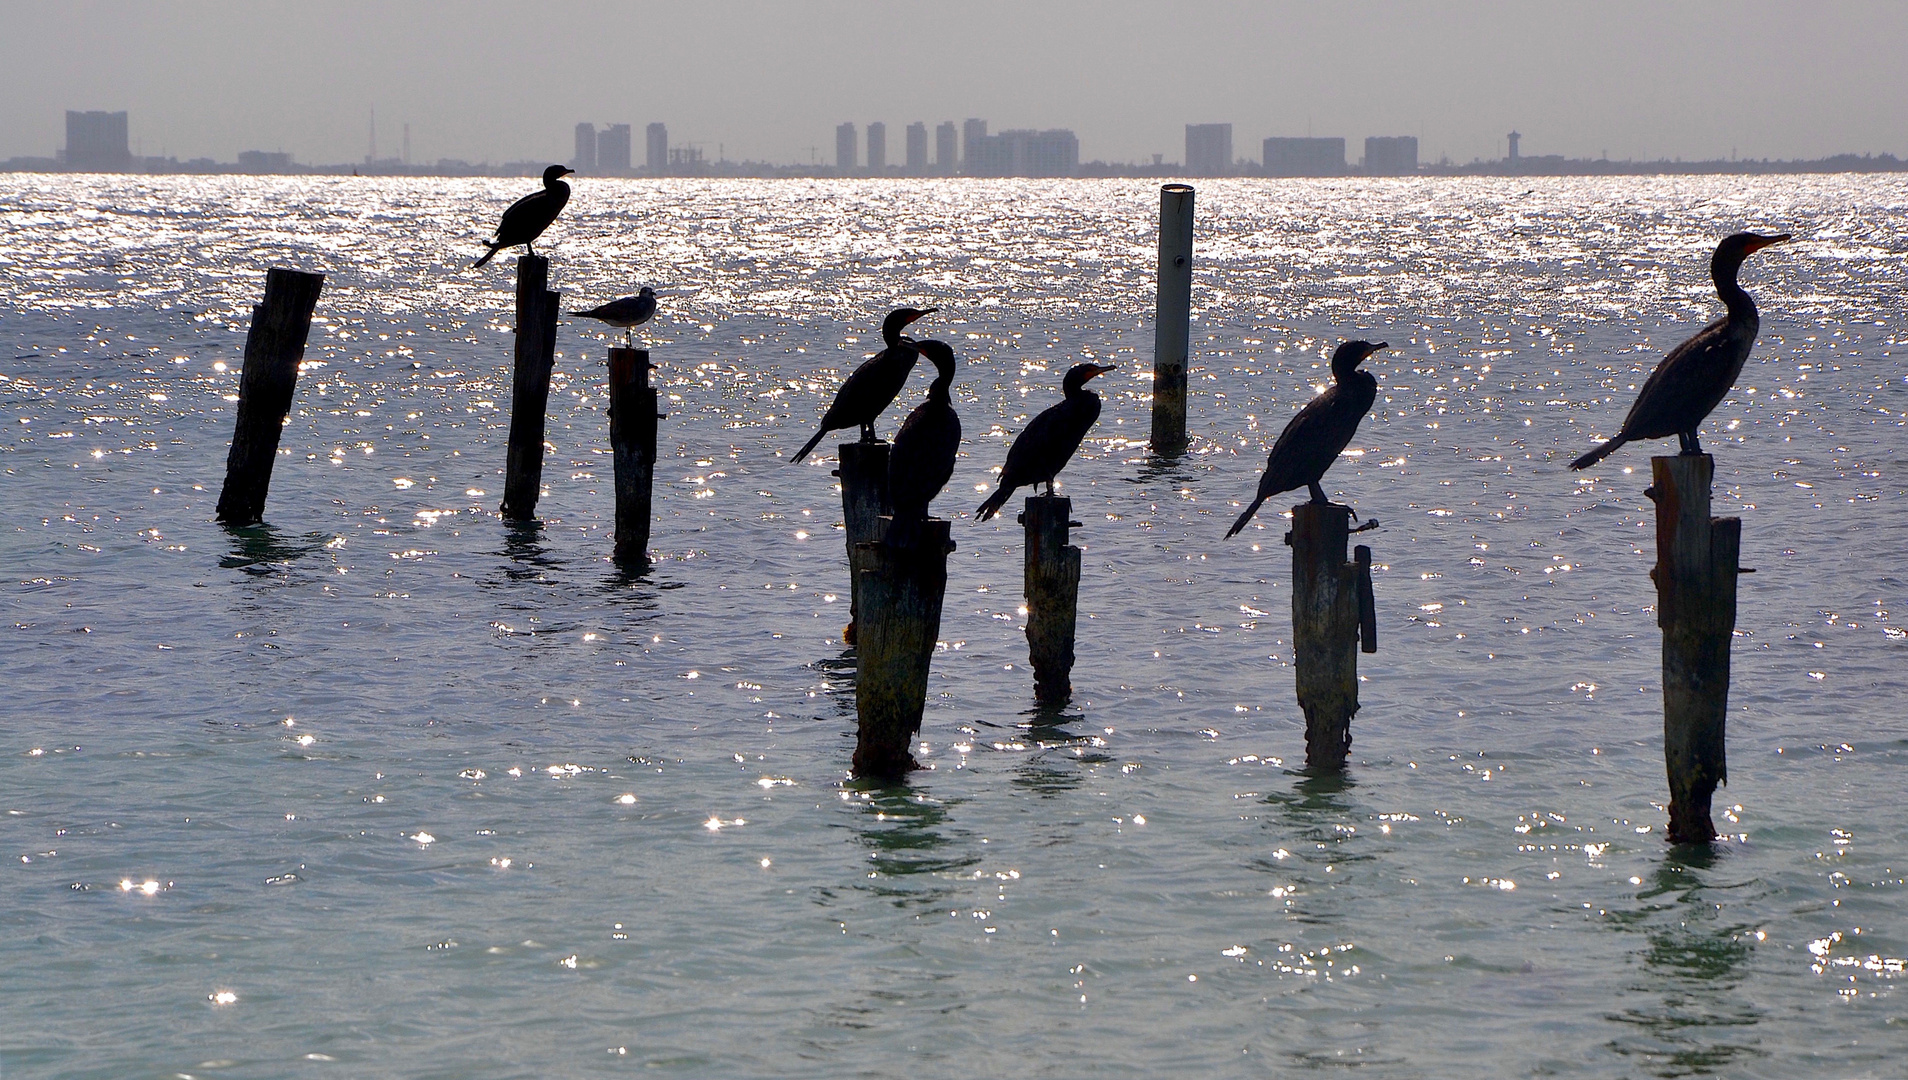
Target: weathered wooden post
1331	610
273	349
1172	318
1053	591
1696	567
633	419
864	498
530	387
899	627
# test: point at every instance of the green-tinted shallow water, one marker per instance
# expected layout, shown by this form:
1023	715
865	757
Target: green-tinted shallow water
388	788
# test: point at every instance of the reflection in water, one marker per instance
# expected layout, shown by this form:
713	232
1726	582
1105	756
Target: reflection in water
1694	962
523	546
838	681
904	833
261	550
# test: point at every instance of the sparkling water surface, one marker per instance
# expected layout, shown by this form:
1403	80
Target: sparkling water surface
390	788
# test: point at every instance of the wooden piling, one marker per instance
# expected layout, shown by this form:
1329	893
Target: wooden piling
1697	559
1172	318
1331	607
273	349
864	499
530	387
1052	583
899	627
633	419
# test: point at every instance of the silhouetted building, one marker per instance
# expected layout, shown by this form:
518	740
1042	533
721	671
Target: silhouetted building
947	148
687	161
612	150
877	147
264	161
917	148
96	142
1304	157
973	133
1513	137
1393	155
1208	149
1024	153
845	148
584	160
656	147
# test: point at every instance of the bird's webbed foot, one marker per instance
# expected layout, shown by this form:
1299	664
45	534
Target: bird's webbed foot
1318	493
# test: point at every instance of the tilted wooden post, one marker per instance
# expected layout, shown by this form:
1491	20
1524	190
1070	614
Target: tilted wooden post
633	419
1697	560
1172	318
1330	601
530	387
899	627
864	498
1053	592
273	349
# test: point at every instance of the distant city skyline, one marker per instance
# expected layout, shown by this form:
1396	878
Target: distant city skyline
99	141
767	82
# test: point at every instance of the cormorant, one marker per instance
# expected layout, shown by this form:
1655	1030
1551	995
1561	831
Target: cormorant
873	385
1696	375
922	459
526	218
1320	432
1049	441
630	311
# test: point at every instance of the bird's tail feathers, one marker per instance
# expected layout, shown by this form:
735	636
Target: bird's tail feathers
993	504
1599	453
1245	518
488	255
812	443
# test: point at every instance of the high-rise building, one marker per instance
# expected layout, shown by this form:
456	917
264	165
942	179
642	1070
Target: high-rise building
973	134
845	147
1024	153
1208	149
656	149
612	150
584	160
1304	157
917	148
947	148
877	147
96	142
264	161
1391	155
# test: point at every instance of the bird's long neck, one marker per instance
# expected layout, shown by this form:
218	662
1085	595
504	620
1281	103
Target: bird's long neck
938	390
1742	309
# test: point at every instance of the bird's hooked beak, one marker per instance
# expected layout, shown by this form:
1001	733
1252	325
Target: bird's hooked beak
1099	369
920	315
1375	348
1760	242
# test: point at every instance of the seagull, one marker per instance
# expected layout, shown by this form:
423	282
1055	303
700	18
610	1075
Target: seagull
624	314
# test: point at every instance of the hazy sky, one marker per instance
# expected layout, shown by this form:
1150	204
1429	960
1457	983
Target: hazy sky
498	81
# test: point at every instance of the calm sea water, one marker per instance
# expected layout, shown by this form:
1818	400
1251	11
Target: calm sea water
389	788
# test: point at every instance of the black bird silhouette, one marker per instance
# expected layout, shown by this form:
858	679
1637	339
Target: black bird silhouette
873	385
630	311
1049	441
526	218
1320	432
1696	375
922	459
